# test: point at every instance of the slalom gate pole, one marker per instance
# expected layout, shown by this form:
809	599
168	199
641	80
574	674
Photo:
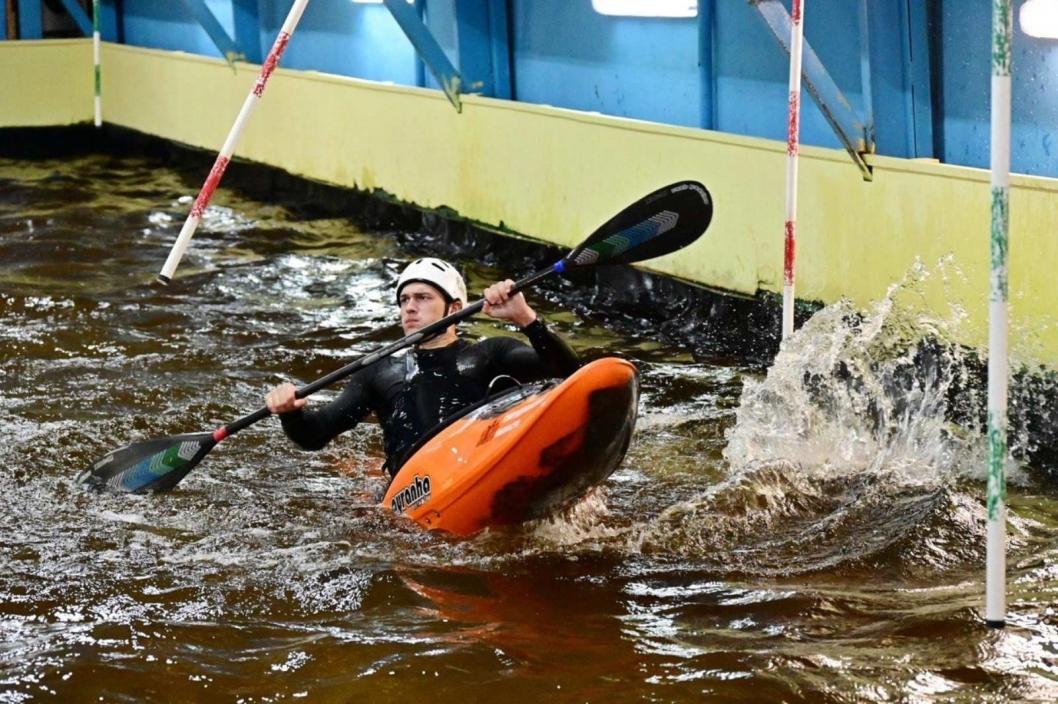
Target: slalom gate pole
998	362
793	129
226	151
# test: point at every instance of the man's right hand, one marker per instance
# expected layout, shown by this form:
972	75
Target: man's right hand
281	399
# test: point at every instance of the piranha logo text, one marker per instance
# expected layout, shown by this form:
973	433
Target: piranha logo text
412	495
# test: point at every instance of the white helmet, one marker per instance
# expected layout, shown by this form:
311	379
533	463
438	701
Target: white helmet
439	274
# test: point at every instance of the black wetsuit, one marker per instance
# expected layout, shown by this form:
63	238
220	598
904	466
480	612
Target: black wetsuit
414	392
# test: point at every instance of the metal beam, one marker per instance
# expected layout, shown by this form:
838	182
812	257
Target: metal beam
79	16
865	73
227	46
707	76
30	20
500	41
420	67
918	90
110	29
427	47
837	110
474	46
248	29
484	52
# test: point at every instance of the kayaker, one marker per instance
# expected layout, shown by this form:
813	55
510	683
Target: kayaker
413	392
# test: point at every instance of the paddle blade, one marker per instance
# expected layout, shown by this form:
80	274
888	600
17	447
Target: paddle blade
668	219
151	465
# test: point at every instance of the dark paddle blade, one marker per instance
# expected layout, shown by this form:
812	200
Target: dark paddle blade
668	219
151	465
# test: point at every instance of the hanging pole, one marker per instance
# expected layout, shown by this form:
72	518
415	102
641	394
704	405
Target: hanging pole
995	579
226	151
793	131
95	61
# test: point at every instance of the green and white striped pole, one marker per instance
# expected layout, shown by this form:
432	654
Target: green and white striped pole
995	579
95	61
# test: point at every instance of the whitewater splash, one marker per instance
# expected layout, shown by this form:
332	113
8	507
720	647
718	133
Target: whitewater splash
862	447
851	394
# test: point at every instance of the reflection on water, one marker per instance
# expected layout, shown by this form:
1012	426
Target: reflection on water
812	534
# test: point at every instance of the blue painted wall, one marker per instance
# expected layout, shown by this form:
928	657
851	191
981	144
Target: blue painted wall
752	70
169	25
966	93
334	36
339	36
566	54
929	65
441	19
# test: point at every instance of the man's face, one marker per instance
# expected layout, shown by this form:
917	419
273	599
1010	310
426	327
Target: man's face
420	305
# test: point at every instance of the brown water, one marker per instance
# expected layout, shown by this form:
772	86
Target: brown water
790	536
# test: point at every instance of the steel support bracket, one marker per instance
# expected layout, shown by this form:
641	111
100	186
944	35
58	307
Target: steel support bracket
706	54
917	59
30	19
79	17
247	19
484	48
847	125
428	49
225	44
110	21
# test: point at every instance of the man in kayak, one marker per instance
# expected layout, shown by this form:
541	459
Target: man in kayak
412	393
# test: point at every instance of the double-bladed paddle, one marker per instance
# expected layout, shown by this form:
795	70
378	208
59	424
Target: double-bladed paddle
664	221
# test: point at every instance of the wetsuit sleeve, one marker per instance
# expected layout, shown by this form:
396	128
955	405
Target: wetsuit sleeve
556	356
313	429
549	356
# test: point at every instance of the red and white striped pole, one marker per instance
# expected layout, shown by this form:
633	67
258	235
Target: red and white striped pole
793	129
215	174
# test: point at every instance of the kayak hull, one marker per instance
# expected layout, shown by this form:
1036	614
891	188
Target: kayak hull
522	455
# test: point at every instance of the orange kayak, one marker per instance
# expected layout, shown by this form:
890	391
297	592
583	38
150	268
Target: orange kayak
521	455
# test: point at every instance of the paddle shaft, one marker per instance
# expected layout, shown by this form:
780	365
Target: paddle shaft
407	341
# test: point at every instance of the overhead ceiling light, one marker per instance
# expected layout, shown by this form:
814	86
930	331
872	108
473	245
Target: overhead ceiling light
646	8
1039	18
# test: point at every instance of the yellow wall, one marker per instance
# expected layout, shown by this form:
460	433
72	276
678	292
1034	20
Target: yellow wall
555	174
47	82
